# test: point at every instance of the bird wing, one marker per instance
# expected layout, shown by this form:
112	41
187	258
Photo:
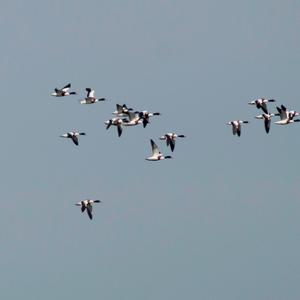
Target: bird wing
119	108
89	210
66	87
75	139
82	208
238	130
172	144
264	107
234	129
119	130
155	150
267	124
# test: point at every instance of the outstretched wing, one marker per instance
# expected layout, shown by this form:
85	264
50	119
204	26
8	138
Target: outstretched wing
264	107
238	130
66	87
75	139
119	130
82	208
155	150
267	125
172	144
89	210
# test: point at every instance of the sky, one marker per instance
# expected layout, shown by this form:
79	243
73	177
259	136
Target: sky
218	221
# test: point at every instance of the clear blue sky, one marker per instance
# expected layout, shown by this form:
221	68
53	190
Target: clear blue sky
219	221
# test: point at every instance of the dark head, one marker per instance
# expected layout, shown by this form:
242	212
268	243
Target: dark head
181	136
272	100
88	89
97	201
297	120
168	157
246	122
82	133
73	93
156	114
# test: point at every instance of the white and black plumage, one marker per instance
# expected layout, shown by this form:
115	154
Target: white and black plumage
170	139
122	110
236	126
118	122
261	103
286	117
63	91
145	116
73	135
133	119
156	154
90	97
267	120
87	205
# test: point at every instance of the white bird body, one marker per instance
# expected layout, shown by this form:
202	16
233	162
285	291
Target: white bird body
236	126
118	122
145	116
90	98
133	119
286	117
63	91
261	103
170	139
73	135
156	154
267	120
122	110
87	205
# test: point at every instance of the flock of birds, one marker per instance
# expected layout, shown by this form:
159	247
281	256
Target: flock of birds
124	117
286	116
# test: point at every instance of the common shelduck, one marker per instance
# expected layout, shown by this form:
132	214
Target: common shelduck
145	116
122	110
115	122
73	135
90	97
170	139
87	205
267	120
133	119
286	117
261	103
63	91
156	154
236	126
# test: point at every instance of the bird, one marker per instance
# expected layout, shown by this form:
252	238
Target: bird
63	91
286	117
87	205
133	119
156	154
90	97
236	126
73	135
122	110
170	139
116	122
145	116
267	120
261	103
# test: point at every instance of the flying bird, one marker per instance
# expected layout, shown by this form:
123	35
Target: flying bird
156	154
170	139
87	205
261	103
73	135
63	91
90	97
267	120
115	122
236	126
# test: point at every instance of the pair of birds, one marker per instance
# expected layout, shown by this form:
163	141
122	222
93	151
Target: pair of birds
286	116
126	117
65	91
